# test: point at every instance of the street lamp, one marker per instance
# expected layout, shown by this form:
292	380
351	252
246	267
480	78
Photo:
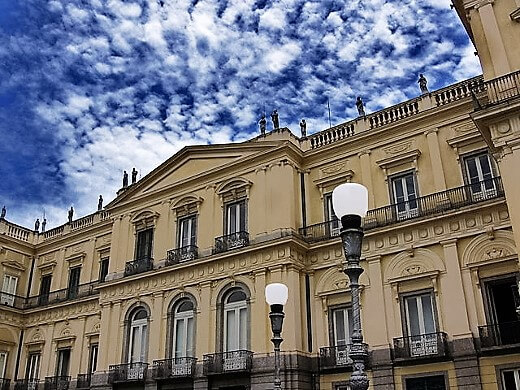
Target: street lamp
350	203
276	296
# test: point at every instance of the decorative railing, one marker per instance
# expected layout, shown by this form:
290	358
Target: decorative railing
421	346
335	357
459	91
82	222
437	203
11	300
232	361
27	384
331	135
502	334
57	231
138	266
128	372
174	368
66	294
394	113
18	232
231	241
5	383
503	88
181	255
56	383
83	381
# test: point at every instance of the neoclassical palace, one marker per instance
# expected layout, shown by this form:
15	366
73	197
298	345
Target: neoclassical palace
164	287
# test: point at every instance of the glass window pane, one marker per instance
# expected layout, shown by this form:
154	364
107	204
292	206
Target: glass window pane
339	327
243	329
134	347
398	190
180	338
3	360
236	296
231	331
472	170
144	343
509	380
427	308
413	316
242	219
187	305
189	337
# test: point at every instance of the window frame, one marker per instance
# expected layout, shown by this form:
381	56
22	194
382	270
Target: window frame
393	199
138	233
73	284
93	357
444	374
59	362
193	226
3	367
222	326
102	262
142	323
32	369
332	335
489	309
7	297
403	309
184	317
227	205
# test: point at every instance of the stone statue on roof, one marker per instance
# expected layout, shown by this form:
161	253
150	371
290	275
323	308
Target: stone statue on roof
71	214
100	203
262	122
360	106
134	175
2	214
44	224
37	225
125	179
423	84
274	118
303	128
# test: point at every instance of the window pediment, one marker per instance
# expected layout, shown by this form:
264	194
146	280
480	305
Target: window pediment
144	219
327	184
189	204
234	189
410	157
13	265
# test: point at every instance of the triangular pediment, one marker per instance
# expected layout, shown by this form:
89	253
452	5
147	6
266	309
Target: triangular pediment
192	163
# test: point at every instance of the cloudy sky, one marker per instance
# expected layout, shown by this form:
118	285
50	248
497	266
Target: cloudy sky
89	88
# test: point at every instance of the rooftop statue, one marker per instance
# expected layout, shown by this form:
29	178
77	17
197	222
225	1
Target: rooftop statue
360	106
274	117
423	84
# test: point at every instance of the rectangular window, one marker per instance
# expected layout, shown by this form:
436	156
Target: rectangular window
103	269
332	226
342	330
62	366
236	217
511	379
33	366
73	287
421	325
144	245
93	355
187	234
404	192
501	304
3	364
479	175
8	290
436	382
45	289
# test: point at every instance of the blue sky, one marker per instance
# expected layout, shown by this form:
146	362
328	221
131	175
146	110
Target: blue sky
89	88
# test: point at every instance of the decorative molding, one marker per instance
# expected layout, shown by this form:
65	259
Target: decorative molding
403	266
485	249
515	15
394	161
399	148
14	265
325	184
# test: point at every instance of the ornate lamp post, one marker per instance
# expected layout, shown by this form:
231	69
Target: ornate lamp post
276	295
350	203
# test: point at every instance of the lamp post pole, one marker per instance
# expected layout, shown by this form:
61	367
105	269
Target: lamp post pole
350	202
276	296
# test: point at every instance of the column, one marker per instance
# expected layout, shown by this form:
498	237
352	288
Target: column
260	338
204	321
374	321
435	159
293	311
104	337
157	338
494	41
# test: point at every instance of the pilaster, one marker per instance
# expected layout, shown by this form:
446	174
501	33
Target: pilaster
435	159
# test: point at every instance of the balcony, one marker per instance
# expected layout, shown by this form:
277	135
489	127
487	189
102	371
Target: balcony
138	266
83	381
336	357
4	383
231	241
66	294
129	372
500	335
27	384
503	88
11	300
181	255
56	382
429	345
433	204
183	367
228	362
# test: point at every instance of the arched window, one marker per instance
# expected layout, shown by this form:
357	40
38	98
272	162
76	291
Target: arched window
183	329
138	336
235	320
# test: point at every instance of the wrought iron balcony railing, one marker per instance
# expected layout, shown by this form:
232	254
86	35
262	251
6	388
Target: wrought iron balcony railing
83	381
427	345
335	357
11	300
129	372
66	294
60	382
231	241
181	255
5	383
497	335
503	88
27	384
231	361
182	367
433	204
138	266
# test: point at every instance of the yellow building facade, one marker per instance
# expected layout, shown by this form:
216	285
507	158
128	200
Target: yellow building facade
164	287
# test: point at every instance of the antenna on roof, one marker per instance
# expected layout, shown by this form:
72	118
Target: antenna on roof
328	105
